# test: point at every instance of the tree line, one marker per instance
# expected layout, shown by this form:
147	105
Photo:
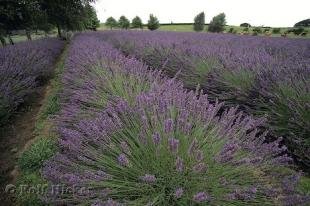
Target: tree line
136	23
46	15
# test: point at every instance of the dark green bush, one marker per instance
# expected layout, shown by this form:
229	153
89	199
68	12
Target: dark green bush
298	30
276	30
257	30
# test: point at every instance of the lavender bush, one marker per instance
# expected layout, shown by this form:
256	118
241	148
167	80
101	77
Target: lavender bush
130	136
23	67
240	70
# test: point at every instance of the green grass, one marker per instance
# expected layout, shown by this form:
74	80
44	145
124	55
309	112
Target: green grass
238	29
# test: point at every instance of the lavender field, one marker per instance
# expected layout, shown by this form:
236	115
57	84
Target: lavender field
23	67
164	118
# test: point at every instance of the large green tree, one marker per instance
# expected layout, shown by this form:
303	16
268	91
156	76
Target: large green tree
66	15
91	20
111	22
199	22
305	23
123	22
217	24
153	23
137	23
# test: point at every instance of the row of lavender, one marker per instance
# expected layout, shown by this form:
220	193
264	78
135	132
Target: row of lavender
22	68
130	136
265	76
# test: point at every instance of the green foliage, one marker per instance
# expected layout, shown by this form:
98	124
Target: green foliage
111	22
239	80
91	20
199	22
123	22
257	30
246	29
33	158
232	30
217	24
137	23
245	25
26	196
303	23
266	30
298	30
276	30
152	23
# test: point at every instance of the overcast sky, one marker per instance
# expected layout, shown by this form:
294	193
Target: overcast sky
256	12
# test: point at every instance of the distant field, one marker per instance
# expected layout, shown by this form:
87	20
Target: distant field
238	29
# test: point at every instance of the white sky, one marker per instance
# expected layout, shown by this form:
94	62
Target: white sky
275	13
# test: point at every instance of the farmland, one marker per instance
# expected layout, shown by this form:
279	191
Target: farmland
162	118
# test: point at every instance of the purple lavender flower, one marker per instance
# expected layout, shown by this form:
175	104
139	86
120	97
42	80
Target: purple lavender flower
123	160
173	144
168	125
200	197
156	138
148	178
178	193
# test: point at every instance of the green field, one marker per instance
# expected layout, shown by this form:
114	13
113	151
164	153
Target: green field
238	29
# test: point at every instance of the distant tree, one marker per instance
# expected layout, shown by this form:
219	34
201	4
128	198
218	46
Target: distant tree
298	30
245	25
304	23
199	22
152	23
137	23
217	24
91	20
123	22
258	30
276	30
111	22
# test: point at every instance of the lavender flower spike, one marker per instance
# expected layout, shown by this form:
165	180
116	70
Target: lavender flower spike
200	197
178	193
123	160
173	145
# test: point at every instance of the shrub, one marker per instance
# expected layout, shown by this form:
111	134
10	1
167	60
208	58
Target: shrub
153	23
246	29
218	23
33	158
123	22
231	30
137	23
199	22
276	30
111	22
257	30
298	30
245	25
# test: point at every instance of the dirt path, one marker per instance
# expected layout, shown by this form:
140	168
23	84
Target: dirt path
15	137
